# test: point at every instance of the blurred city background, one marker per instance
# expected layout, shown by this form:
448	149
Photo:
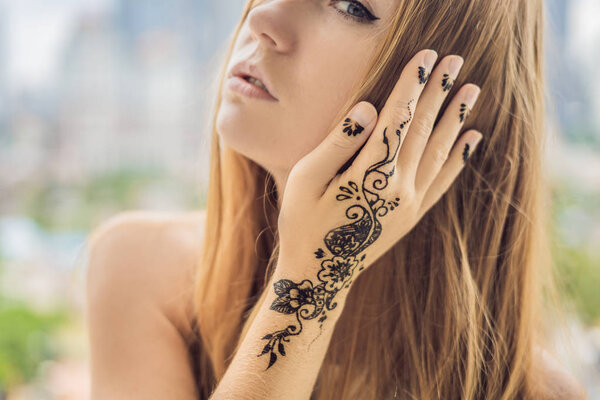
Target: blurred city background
104	107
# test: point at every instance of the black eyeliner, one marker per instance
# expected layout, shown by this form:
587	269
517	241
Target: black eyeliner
368	18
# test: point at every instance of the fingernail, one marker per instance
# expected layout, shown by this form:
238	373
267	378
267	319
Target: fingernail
471	95
470	146
430	58
360	117
455	65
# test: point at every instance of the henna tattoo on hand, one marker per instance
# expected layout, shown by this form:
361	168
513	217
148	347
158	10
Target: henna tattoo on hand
464	112
423	76
344	246
447	83
466	153
351	127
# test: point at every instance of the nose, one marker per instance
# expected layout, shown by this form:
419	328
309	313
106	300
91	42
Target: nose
271	25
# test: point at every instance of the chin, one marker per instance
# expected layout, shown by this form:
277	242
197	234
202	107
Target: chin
239	134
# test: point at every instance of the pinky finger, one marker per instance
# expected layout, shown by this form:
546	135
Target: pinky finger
460	153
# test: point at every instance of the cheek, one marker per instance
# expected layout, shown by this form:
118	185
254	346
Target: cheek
329	79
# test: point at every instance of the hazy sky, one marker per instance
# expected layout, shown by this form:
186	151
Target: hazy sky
36	33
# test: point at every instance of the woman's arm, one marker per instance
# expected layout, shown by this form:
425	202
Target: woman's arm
293	375
137	279
335	222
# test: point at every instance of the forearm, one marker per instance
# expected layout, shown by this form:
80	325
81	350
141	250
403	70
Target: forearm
260	370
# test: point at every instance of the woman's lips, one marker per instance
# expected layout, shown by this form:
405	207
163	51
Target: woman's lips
242	86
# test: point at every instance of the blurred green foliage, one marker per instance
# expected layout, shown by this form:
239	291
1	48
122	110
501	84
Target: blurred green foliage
26	335
76	207
580	279
25	341
583	135
575	217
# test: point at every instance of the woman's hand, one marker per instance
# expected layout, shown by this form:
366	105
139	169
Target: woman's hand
332	226
397	176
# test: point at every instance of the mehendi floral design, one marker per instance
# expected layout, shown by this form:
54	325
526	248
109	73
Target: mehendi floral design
447	82
336	272
464	112
466	153
345	246
423	75
351	127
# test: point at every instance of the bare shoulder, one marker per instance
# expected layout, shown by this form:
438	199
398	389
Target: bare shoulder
556	382
150	256
138	312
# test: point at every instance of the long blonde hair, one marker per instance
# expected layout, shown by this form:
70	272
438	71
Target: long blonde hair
452	310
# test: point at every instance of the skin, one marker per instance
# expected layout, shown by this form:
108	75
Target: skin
131	270
309	51
279	37
133	255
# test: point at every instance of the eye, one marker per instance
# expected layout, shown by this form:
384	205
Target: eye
354	10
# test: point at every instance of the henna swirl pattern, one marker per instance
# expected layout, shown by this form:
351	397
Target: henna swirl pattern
345	246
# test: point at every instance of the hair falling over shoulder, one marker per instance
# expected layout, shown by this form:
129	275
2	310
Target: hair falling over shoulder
453	311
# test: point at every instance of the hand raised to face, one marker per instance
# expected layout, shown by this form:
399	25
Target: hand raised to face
334	225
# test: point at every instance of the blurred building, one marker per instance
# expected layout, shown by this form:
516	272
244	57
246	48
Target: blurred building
135	85
570	89
133	90
3	73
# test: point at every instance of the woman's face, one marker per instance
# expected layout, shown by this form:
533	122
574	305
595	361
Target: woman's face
312	58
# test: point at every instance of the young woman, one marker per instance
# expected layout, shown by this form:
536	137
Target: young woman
358	243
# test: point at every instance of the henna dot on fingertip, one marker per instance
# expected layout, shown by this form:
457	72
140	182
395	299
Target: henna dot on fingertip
423	75
447	82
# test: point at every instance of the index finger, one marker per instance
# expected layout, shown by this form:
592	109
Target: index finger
397	113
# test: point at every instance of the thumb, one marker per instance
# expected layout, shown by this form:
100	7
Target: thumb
323	163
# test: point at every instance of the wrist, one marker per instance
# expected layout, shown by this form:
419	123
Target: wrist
294	287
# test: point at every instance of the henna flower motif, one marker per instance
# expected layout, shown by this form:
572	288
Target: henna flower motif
292	296
351	127
341	243
301	294
335	272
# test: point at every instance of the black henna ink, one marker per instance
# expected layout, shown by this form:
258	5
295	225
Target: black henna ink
423	76
352	128
344	245
402	124
464	112
447	83
466	153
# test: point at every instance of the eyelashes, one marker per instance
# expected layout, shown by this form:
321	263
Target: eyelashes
364	17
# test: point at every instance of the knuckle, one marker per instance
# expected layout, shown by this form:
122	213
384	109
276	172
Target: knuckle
421	127
406	194
427	119
341	142
402	112
439	155
298	170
